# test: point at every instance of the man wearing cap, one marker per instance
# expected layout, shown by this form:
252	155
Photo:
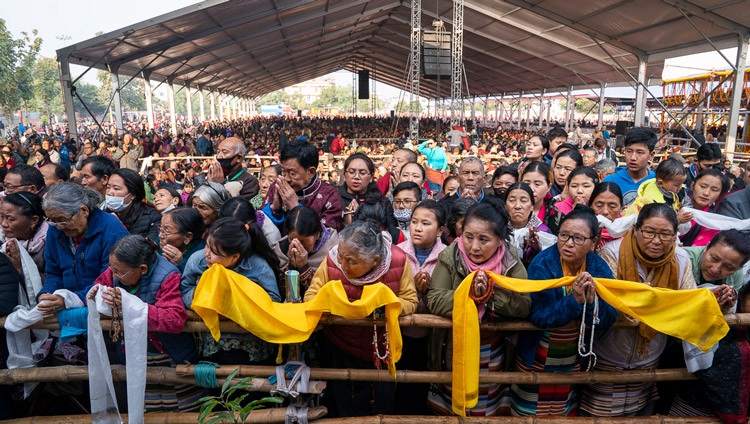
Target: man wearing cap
227	168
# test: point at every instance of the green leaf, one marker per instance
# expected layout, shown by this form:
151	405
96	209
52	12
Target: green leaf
228	382
206	410
206	399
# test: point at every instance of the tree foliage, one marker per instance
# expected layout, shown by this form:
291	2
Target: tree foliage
47	89
17	60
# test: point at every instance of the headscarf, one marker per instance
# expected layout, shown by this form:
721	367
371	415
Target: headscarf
376	273
665	275
494	263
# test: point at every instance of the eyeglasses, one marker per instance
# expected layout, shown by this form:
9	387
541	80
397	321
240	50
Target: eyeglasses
14	187
650	235
361	172
61	224
120	276
577	240
162	231
404	203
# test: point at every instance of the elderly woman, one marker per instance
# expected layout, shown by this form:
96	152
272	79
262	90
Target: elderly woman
23	224
364	255
358	181
481	246
606	201
78	242
126	198
306	245
180	236
718	267
208	200
647	254
166	199
267	176
556	350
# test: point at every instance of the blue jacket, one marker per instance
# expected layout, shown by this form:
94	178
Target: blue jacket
552	308
254	268
436	157
77	269
202	145
628	187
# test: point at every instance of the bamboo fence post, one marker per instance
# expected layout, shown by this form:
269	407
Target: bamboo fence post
390	419
269	415
444	377
161	375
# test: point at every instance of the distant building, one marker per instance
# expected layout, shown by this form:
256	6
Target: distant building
310	90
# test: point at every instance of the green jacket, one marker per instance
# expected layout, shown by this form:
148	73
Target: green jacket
448	275
695	253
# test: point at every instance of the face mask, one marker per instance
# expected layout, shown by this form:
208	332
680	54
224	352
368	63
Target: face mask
115	203
402	215
226	164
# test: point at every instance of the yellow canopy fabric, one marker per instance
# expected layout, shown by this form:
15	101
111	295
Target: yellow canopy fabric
690	315
224	292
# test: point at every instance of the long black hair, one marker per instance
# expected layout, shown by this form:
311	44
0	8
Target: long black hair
233	234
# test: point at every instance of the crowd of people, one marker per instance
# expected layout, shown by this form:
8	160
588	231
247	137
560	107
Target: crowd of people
337	199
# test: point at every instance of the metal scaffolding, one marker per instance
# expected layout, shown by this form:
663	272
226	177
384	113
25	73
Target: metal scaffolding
457	52
414	67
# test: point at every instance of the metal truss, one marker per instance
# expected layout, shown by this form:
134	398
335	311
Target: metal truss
457	52
414	67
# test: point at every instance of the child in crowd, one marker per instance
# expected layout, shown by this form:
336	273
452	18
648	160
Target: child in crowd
667	187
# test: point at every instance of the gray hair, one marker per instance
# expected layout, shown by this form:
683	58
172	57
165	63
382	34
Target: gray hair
213	194
605	165
68	197
364	237
470	159
239	146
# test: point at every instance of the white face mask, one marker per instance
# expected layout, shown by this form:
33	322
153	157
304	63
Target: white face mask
402	215
116	203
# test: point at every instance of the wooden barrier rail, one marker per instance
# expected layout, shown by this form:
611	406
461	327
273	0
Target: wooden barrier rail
265	416
195	324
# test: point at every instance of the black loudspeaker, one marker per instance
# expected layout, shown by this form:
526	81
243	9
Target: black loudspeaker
393	113
622	127
364	84
299	113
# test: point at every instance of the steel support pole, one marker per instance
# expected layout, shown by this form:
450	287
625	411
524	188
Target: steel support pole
569	108
486	110
549	109
520	99
501	107
67	89
737	91
640	93
541	109
601	106
213	107
528	111
149	100
202	106
189	104
172	117
117	109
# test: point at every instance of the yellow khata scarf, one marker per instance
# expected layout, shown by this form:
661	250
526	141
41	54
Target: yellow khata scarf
224	292
690	315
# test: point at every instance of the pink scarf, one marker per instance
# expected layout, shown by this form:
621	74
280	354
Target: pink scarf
494	263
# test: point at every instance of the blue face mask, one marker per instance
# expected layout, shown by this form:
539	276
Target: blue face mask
116	203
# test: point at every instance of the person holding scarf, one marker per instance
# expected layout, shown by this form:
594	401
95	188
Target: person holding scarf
228	168
481	246
707	187
306	244
135	266
364	256
647	254
606	201
557	350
